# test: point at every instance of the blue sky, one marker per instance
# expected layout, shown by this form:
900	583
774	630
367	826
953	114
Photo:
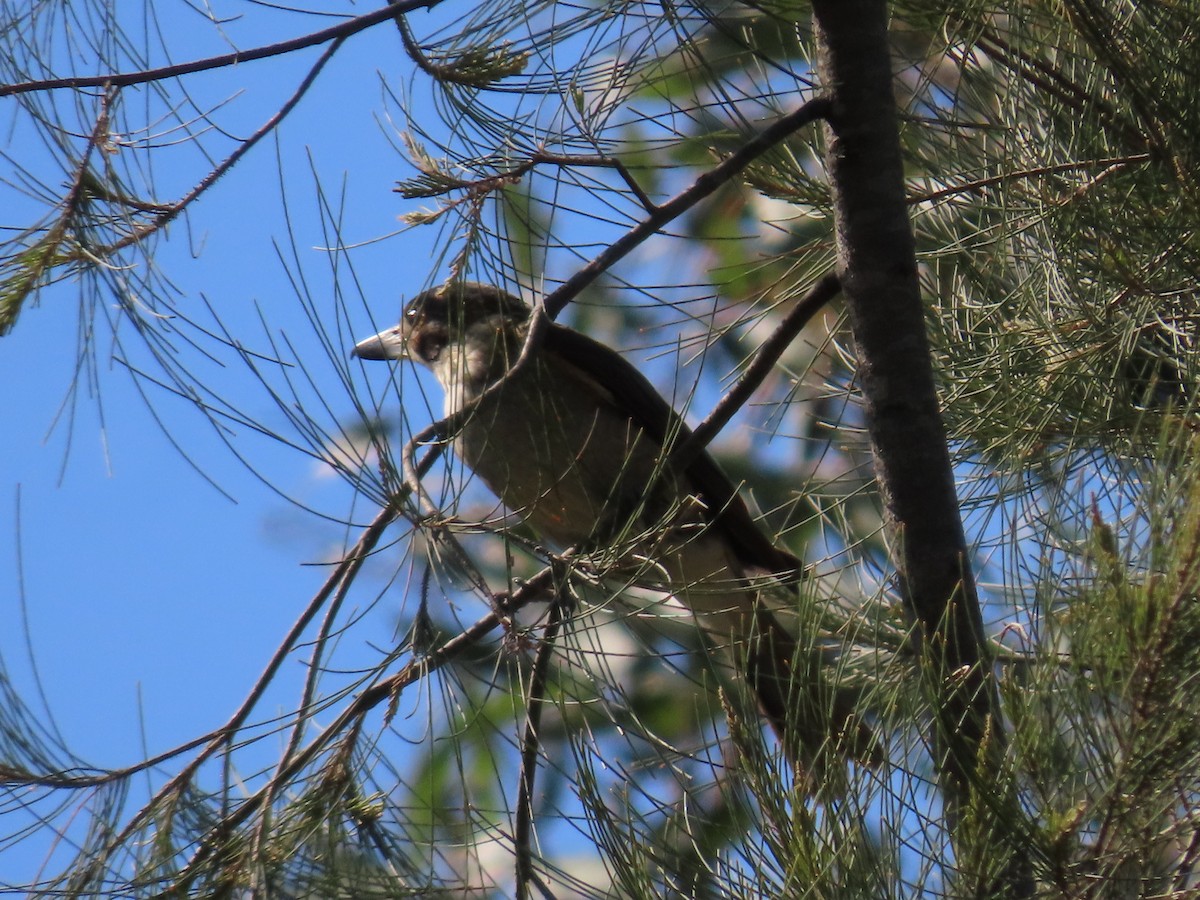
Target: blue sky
147	599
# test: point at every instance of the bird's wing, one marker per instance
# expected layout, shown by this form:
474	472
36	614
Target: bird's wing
613	375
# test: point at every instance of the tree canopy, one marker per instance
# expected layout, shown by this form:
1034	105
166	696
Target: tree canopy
921	275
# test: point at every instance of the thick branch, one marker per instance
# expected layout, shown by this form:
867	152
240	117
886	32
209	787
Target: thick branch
878	272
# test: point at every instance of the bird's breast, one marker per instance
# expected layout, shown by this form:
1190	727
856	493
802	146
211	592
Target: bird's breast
574	468
581	474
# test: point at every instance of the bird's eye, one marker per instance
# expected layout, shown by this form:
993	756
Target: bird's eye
429	342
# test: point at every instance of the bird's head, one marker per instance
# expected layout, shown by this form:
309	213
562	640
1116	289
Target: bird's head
469	334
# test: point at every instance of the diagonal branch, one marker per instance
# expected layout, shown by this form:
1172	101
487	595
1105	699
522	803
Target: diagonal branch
660	216
343	574
762	365
170	213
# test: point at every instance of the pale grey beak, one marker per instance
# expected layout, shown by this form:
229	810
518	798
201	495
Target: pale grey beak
389	344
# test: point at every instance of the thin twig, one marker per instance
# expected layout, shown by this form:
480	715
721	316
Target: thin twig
383	692
174	209
534	703
475	188
967	187
344	572
601	162
124	79
764	361
1050	79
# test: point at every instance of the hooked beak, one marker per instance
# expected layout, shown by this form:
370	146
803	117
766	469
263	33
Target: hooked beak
389	344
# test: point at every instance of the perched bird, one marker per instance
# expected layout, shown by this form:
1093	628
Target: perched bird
577	442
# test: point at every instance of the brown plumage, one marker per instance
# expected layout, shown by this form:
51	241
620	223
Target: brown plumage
577	442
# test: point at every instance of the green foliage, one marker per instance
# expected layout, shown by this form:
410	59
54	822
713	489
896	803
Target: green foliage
1051	156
